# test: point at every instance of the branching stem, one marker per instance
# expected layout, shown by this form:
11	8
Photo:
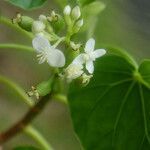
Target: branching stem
16	46
8	22
26	120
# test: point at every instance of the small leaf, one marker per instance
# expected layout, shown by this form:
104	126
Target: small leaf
27	4
112	112
25	148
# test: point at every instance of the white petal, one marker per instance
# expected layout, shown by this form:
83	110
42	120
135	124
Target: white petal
98	53
90	66
40	43
90	44
56	58
79	59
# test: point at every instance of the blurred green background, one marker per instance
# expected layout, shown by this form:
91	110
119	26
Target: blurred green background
123	24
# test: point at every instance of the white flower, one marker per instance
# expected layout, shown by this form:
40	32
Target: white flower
76	13
89	56
46	52
38	26
43	18
67	10
73	71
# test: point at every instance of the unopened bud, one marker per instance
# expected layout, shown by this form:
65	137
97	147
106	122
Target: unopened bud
53	17
67	10
38	26
78	25
43	18
74	46
76	13
57	22
86	79
24	22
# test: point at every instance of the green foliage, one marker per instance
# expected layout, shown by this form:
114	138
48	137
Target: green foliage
145	70
112	112
25	148
27	4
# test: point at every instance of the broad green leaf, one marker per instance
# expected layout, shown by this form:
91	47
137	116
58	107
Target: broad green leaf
27	4
112	112
25	148
145	70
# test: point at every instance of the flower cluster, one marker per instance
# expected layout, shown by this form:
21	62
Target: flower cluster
75	69
83	64
46	41
73	18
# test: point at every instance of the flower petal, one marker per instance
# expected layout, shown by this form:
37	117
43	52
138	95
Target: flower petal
40	43
56	58
98	53
90	66
89	47
79	59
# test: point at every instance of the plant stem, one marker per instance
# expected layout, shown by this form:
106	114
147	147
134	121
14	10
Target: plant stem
18	90
8	22
26	120
38	137
61	98
58	42
16	46
30	130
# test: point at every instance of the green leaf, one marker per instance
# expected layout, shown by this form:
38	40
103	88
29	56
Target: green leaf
145	70
112	112
25	148
27	4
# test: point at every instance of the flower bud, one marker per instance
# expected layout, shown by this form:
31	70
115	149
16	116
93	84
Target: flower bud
78	25
24	22
76	13
53	17
73	71
43	18
67	10
74	46
56	21
86	79
38	26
